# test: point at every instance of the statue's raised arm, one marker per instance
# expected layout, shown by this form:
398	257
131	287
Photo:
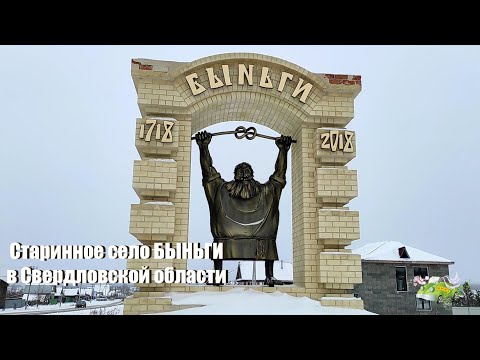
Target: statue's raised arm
203	139
283	143
210	177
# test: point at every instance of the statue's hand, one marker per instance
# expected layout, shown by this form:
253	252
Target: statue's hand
203	138
284	142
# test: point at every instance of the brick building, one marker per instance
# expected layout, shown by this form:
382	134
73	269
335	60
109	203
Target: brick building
388	269
3	293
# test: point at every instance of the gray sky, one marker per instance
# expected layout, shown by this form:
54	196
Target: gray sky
67	120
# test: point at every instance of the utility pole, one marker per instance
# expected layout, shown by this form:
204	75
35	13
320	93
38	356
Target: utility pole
93	290
29	287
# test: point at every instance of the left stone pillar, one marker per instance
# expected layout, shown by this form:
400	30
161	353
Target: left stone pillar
161	180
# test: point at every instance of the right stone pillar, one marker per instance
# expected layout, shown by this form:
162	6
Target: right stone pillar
335	185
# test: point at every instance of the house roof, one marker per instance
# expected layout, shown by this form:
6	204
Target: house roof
389	251
284	274
73	291
70	292
86	291
40	289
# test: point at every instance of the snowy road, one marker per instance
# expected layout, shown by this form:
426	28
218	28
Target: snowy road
59	310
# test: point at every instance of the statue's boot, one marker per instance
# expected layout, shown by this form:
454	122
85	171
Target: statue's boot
269	279
271	282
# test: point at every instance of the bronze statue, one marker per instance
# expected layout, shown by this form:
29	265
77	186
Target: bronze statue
244	213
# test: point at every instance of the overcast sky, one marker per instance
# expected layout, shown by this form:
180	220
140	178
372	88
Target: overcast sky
67	120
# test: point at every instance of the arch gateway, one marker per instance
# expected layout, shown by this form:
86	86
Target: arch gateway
177	99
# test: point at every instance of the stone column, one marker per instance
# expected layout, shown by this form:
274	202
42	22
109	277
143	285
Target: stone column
335	185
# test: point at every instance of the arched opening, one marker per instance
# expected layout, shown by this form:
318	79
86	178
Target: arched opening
226	152
275	116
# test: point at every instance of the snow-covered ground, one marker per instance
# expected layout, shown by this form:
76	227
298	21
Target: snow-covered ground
243	301
62	308
33	308
111	310
239	301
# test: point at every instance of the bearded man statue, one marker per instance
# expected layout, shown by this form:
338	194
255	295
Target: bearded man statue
244	213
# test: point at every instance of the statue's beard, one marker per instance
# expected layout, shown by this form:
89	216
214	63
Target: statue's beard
244	189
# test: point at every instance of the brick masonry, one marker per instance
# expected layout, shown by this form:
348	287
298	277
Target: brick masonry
150	222
154	179
379	289
164	93
339	268
156	148
329	157
336	185
338	224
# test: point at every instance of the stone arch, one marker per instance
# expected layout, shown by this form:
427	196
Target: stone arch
257	58
321	185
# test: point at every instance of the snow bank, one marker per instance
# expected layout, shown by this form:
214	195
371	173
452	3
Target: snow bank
244	301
